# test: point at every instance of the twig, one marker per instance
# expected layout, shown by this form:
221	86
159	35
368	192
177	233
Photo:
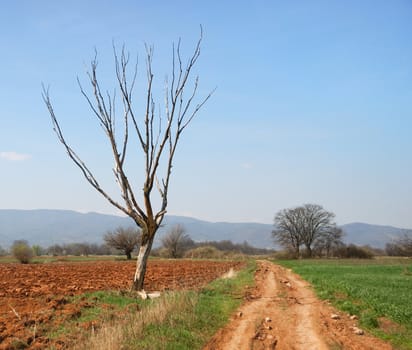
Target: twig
15	312
34	331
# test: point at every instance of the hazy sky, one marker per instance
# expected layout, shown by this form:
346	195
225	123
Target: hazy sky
313	104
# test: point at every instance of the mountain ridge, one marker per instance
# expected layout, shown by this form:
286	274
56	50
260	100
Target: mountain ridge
53	226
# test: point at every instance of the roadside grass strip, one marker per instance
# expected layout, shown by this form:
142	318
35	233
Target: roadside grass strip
199	316
175	320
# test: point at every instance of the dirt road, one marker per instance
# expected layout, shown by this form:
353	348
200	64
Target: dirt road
282	312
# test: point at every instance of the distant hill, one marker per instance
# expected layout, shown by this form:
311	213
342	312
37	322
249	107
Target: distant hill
46	227
258	235
373	235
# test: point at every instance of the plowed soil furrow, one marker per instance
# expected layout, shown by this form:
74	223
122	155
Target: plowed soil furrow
37	296
284	313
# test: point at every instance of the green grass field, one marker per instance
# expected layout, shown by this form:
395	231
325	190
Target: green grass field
379	291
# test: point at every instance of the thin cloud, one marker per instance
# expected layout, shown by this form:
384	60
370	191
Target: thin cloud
14	156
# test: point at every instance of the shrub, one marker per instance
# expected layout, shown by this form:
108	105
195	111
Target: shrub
22	251
160	252
285	255
353	251
204	252
3	252
37	250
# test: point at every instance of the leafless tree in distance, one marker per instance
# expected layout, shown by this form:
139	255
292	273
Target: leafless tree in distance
3	251
288	229
157	134
400	246
329	241
176	241
316	222
302	225
123	239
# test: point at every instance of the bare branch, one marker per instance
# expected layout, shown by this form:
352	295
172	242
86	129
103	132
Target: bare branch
157	134
121	74
73	155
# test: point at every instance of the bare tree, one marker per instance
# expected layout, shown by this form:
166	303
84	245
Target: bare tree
401	246
316	222
55	250
288	229
176	241
329	241
3	251
123	239
302	225
157	135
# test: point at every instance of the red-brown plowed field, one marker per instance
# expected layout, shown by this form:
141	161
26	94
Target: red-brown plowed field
33	295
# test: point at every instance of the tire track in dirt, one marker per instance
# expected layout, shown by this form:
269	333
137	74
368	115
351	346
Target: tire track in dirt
283	313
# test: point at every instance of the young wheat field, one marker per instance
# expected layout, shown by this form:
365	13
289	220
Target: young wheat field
378	291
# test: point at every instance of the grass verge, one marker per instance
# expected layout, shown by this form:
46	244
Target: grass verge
176	320
378	291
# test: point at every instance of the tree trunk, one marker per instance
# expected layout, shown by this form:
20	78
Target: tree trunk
141	264
297	252
129	255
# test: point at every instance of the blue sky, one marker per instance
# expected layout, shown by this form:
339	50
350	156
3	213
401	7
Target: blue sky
313	104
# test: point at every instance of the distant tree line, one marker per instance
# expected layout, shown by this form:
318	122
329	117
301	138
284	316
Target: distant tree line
178	244
401	246
175	244
80	249
325	241
24	253
119	241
